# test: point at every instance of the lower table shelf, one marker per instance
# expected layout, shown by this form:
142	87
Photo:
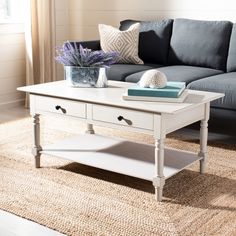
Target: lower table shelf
119	155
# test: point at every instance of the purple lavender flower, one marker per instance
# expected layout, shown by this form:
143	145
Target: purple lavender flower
70	55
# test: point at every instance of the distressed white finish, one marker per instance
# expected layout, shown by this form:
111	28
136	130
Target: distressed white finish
112	96
49	105
184	118
159	135
203	138
105	107
138	119
119	155
36	148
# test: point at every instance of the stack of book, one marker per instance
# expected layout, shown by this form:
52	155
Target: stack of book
173	92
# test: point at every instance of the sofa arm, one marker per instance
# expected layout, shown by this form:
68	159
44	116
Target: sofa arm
93	44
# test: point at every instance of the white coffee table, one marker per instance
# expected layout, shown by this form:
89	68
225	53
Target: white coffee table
105	107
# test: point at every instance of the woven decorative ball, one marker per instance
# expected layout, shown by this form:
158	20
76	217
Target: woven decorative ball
153	79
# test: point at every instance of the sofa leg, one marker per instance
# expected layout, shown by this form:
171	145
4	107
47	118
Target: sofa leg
90	129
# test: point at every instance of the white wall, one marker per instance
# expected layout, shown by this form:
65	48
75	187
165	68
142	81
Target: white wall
79	19
12	55
62	29
85	15
12	64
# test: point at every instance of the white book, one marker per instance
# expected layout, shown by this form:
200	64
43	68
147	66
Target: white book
180	99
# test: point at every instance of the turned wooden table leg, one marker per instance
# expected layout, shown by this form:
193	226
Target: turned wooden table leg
36	148
203	139
90	129
159	179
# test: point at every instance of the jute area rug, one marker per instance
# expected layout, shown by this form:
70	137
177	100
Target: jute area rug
80	200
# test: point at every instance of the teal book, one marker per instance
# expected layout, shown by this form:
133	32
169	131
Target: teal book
172	90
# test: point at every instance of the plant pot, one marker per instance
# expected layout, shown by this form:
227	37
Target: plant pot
86	77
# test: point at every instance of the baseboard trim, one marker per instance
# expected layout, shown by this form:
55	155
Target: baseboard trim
12	104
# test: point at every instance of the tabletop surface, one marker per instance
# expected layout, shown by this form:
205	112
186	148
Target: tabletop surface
112	96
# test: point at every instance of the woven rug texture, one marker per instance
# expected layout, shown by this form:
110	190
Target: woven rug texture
79	200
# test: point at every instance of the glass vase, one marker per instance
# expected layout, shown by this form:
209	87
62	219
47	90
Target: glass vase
86	77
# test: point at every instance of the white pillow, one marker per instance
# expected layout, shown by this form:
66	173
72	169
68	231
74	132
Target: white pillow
123	42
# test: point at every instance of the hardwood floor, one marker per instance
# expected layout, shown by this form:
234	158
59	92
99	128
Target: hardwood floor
10	224
12	114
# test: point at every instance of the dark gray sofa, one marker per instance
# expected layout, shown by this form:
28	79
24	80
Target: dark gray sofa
200	53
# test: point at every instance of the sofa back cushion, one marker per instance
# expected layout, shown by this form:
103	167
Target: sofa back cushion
200	43
231	63
154	39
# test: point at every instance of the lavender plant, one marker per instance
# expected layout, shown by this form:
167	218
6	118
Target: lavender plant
69	54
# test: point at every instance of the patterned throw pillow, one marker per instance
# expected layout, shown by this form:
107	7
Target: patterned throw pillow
123	42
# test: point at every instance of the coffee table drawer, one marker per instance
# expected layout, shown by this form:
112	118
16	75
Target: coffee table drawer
60	106
124	117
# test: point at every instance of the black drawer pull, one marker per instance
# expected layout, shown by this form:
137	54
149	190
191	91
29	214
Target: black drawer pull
120	118
60	108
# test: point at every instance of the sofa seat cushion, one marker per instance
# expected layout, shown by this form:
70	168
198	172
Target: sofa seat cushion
224	83
200	43
154	39
119	72
231	62
179	73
